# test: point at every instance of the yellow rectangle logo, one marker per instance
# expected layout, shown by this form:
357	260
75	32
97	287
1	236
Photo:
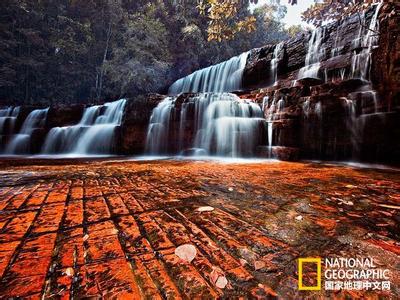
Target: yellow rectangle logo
309	260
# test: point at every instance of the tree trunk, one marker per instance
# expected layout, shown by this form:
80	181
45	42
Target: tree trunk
99	79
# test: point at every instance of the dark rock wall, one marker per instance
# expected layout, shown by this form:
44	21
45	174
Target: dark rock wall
135	123
386	60
347	118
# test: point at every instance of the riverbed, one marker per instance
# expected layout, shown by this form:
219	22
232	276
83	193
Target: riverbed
102	227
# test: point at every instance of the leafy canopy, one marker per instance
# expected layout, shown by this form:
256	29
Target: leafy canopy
226	18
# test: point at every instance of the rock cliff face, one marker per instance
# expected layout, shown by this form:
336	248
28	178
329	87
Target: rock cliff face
135	123
332	94
341	115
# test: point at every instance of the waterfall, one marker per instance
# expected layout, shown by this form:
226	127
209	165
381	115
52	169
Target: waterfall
21	143
94	134
223	125
366	99
230	126
158	131
314	55
273	114
275	60
8	116
367	40
223	77
211	123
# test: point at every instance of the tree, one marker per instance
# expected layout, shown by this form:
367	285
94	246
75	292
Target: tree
227	17
79	51
294	30
334	10
142	57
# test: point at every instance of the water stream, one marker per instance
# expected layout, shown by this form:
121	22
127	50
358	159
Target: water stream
20	143
93	135
223	77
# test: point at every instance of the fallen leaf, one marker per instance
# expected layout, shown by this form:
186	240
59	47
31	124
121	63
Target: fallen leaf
214	276
350	186
221	282
299	218
205	208
69	272
218	278
345	202
259	265
186	252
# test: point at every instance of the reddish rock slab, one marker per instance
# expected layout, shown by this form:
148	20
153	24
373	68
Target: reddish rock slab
79	229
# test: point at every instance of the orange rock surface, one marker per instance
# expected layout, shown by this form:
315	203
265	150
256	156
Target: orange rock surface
75	229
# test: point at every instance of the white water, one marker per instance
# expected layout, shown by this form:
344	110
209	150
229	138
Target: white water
275	60
273	114
8	116
230	126
158	131
361	62
367	39
94	134
20	143
224	125
223	77
314	55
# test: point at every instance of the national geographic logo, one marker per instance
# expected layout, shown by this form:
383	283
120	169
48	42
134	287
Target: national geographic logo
309	260
341	273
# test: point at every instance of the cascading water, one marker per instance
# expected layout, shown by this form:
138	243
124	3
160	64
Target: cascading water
223	77
361	63
21	142
158	131
207	124
273	114
211	123
223	125
275	60
94	134
314	55
8	117
313	125
230	126
367	40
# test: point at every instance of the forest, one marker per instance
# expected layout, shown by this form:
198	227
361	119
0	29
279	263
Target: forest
78	51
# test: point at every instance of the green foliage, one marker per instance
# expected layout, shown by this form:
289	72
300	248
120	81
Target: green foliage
143	56
72	50
295	29
226	18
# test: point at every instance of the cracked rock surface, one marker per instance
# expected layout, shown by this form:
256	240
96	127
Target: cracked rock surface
80	228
